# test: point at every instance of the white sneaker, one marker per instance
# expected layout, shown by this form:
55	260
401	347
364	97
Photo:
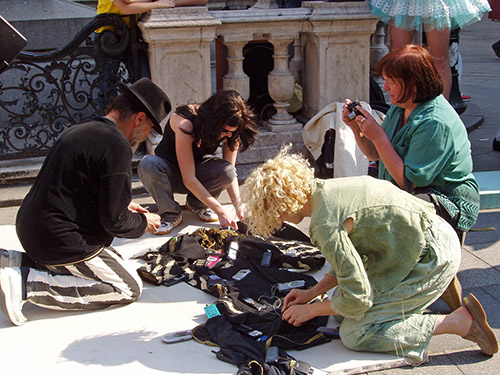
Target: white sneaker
10	258
167	226
204	214
11	301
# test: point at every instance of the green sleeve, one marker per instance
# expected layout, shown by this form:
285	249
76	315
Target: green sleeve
354	295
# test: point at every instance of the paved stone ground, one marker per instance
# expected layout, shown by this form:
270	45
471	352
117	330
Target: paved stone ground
480	269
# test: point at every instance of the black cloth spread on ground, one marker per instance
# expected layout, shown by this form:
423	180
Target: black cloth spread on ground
250	308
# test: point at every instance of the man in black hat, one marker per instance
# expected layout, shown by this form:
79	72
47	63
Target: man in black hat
79	202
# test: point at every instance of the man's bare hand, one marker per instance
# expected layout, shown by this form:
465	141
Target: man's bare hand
154	222
136	207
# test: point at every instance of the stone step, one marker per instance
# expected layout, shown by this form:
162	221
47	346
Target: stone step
266	138
19	171
489	188
24	171
17	175
13	195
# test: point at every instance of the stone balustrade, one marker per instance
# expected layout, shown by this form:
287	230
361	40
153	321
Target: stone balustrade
331	44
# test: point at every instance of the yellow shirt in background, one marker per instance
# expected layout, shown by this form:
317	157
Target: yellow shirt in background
107	6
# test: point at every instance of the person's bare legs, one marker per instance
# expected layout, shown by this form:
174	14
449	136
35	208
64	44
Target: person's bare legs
438	42
469	322
456	323
400	37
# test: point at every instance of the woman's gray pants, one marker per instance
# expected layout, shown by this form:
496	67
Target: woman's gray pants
162	179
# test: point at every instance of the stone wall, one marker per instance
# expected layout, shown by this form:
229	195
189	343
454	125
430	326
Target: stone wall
46	24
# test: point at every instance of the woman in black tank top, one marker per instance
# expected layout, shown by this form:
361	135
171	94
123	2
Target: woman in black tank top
184	160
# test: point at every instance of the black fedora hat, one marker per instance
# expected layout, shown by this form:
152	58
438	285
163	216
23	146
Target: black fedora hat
149	97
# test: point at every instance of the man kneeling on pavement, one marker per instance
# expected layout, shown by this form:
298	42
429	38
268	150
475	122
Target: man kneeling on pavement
79	202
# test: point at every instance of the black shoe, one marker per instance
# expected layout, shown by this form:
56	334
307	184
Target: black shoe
496	48
496	144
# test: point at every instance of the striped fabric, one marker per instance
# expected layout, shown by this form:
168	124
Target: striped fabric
96	283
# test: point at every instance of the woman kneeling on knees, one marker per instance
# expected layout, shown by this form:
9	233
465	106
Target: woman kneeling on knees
391	256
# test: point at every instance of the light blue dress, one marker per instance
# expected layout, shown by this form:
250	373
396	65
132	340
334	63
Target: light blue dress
438	14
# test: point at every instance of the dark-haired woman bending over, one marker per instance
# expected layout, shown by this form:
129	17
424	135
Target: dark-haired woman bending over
184	160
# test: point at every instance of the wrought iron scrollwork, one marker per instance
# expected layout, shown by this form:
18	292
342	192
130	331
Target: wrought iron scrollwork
42	94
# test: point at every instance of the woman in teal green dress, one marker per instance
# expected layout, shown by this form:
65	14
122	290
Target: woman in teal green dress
422	145
391	257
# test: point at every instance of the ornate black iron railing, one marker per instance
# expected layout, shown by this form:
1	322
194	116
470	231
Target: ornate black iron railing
42	94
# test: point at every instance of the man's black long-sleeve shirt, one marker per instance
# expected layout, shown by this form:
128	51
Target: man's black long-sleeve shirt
79	201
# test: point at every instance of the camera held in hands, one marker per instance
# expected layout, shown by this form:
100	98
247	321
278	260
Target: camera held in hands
353	111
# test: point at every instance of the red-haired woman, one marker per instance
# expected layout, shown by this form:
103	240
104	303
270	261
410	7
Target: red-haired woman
422	145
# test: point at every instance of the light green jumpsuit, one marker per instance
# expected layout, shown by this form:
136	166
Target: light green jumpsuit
398	259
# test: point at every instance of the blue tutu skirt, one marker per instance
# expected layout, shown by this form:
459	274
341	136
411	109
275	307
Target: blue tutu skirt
438	14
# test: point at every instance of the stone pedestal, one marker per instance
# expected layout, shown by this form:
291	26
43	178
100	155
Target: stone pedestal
179	51
336	54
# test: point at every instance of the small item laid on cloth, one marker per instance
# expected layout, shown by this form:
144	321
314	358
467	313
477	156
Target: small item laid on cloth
211	261
175	280
295	284
330	332
272	354
249	331
241	274
178	336
232	252
266	259
302	367
211	311
214	279
257	305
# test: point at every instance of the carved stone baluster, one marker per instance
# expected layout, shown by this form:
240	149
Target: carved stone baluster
378	49
281	85
235	78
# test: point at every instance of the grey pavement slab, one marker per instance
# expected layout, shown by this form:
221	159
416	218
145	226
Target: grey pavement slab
481	80
486	230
